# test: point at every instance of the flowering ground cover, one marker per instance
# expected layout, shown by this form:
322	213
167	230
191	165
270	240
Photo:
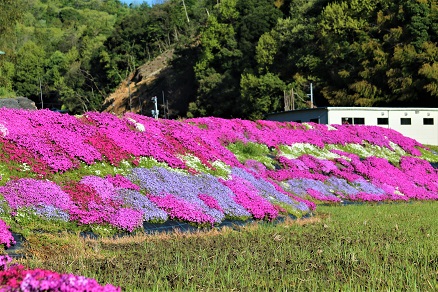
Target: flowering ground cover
106	174
18	278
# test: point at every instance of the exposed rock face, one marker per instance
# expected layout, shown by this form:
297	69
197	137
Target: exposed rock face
18	103
167	78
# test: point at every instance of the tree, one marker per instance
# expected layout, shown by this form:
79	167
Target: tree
10	12
227	53
261	95
29	71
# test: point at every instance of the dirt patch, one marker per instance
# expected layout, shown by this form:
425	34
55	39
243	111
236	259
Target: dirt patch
162	77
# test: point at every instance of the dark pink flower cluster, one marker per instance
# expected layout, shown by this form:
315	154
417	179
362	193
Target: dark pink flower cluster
181	210
18	278
247	196
6	237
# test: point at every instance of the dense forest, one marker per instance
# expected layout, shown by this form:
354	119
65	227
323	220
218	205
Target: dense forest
243	55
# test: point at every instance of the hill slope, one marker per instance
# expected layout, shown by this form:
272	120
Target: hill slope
164	77
101	173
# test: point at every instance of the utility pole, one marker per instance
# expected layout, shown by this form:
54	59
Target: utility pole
311	95
155	112
293	98
141	104
41	95
129	91
164	105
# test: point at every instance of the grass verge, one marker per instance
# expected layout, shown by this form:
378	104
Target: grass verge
356	247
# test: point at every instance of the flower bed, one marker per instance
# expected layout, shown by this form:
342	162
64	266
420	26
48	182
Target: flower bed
18	278
201	171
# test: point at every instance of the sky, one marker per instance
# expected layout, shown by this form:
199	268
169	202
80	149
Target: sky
137	1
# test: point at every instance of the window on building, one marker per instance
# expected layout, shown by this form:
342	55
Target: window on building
297	121
314	121
405	121
428	121
382	121
346	121
359	121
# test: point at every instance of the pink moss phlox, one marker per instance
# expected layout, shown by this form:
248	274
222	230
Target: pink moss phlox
6	237
420	172
121	182
256	168
179	209
210	202
247	196
126	218
56	139
18	278
108	148
28	192
103	187
11	152
321	197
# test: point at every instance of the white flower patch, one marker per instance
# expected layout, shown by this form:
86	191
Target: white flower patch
331	128
25	167
397	149
326	154
334	147
3	131
191	161
298	149
308	126
222	166
139	126
126	163
359	150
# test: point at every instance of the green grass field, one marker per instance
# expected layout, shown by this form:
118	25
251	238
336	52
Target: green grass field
390	247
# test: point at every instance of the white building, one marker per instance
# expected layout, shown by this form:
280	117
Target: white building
420	124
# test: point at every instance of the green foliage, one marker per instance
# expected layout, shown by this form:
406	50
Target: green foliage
10	12
5	93
29	71
104	230
253	151
430	153
26	222
7	71
228	53
244	54
101	169
367	150
261	95
218	168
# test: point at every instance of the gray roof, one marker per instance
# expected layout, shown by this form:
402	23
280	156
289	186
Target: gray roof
18	103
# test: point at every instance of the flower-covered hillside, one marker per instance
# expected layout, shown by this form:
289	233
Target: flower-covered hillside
98	171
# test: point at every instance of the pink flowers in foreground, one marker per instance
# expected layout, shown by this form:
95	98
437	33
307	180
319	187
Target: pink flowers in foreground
6	237
18	278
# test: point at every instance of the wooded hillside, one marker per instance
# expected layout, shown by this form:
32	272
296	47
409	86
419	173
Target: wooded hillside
237	57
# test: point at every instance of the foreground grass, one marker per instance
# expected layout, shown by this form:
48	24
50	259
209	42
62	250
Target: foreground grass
357	247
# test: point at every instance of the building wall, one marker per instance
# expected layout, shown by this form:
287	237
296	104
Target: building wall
417	129
385	117
319	115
